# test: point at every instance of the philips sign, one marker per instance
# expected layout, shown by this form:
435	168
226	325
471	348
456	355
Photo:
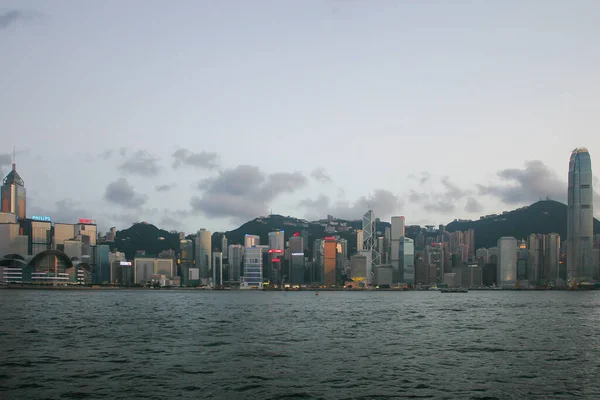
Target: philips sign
41	218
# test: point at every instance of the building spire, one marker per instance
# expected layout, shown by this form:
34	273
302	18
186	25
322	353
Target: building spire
14	160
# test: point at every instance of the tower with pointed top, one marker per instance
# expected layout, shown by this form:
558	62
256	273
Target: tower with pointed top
580	218
12	193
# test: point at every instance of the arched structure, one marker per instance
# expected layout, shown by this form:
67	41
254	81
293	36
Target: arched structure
60	256
14	257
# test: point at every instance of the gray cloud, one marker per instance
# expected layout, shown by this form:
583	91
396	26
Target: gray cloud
14	16
437	201
165	188
473	206
243	192
122	193
527	185
65	211
423	177
384	204
141	163
440	206
204	159
320	175
109	153
5	159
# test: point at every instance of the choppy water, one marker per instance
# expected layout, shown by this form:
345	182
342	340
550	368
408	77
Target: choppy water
263	345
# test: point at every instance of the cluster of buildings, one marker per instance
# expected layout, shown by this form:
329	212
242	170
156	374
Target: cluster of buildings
36	250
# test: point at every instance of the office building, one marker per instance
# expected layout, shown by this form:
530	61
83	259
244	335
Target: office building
251	240
276	240
253	271
359	240
580	218
407	253
224	247
203	254
62	232
396	235
217	268
329	261
296	244
12	194
235	258
507	262
296	268
551	260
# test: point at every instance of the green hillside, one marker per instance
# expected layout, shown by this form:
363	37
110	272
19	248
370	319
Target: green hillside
543	217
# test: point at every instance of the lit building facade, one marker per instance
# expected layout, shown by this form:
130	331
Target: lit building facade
329	261
507	262
253	272
203	253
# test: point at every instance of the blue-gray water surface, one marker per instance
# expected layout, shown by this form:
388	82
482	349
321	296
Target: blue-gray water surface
268	345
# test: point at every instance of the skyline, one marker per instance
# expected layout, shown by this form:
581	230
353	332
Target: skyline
327	79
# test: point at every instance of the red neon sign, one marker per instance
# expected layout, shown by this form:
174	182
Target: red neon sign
296	234
276	251
87	221
329	237
276	260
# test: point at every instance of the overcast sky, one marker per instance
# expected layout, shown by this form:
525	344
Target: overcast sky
205	114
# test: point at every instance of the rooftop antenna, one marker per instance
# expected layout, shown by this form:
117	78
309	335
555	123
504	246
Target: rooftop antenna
14	158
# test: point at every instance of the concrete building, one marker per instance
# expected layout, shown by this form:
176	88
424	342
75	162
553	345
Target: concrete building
296	244
296	276
580	218
358	267
224	247
551	260
62	232
144	268
203	248
507	262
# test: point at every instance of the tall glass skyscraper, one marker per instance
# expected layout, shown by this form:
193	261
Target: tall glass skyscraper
580	218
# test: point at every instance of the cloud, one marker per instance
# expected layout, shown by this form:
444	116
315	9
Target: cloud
141	163
243	192
109	153
122	193
204	159
440	201
320	175
383	202
165	188
527	185
66	211
13	16
440	206
5	159
473	206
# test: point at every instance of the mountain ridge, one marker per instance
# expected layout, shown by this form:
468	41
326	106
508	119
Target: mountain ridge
545	216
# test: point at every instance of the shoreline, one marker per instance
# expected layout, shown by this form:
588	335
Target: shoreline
96	288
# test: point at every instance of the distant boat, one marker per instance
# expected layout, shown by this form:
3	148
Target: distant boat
454	290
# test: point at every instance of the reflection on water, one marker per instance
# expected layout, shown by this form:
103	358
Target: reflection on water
205	344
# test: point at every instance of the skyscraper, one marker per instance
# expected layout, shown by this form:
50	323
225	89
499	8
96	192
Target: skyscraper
507	262
203	253
13	194
580	216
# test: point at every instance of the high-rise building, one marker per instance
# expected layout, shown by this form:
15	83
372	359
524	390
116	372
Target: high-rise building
13	194
276	240
329	261
235	259
204	253
217	268
253	262
359	240
224	246
396	235
580	216
507	262
551	260
296	244
470	243
296	268
251	240
407	251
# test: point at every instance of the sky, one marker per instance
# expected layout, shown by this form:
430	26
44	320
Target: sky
205	114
